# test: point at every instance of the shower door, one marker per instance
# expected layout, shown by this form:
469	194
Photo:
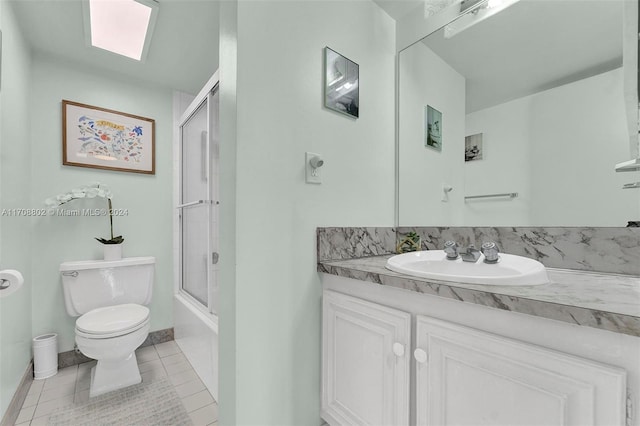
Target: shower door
198	208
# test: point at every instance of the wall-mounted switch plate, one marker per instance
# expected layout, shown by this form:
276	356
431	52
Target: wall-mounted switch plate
313	174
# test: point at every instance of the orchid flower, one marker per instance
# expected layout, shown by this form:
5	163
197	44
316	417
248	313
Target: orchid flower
92	190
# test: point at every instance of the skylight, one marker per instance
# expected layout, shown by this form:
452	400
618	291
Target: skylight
121	26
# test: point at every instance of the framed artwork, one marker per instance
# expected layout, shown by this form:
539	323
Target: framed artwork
341	84
432	128
473	147
101	138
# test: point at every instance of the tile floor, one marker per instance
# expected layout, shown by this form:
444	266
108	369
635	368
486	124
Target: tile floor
71	385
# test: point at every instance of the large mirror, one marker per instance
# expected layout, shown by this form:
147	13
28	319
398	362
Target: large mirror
516	114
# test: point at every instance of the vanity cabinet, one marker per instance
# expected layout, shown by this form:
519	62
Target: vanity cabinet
365	362
468	377
459	375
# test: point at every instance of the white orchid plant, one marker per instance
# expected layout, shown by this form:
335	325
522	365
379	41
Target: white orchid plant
88	191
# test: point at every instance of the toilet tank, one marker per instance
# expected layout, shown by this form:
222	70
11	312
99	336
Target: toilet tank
90	284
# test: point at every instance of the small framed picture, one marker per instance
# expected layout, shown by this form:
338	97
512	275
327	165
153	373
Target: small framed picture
101	138
432	128
473	147
341	84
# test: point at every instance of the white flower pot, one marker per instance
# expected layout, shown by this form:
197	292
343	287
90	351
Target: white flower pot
112	251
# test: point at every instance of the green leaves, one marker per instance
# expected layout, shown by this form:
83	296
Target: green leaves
114	240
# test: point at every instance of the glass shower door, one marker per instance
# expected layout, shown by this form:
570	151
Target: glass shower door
198	208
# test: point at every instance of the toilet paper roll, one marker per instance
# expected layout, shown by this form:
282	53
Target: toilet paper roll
10	281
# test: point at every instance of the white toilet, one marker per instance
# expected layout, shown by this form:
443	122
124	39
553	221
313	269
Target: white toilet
109	297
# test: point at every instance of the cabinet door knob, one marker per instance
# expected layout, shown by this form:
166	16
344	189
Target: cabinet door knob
420	356
398	349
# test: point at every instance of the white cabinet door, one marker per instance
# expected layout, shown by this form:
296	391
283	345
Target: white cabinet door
469	377
365	362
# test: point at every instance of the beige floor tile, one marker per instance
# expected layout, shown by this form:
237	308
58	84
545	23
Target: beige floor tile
146	354
174	359
62	390
82	396
151	365
86	366
167	348
151	375
55	381
73	369
213	424
178	367
183	377
189	388
36	387
31	399
24	424
26	414
205	415
40	421
47	407
197	400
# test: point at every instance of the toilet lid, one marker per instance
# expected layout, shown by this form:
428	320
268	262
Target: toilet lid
112	319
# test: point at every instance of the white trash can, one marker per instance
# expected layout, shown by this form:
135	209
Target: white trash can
45	356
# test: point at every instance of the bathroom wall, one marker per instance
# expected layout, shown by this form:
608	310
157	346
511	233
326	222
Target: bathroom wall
147	228
15	156
551	147
425	170
276	306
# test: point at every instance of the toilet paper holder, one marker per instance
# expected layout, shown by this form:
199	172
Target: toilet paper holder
10	281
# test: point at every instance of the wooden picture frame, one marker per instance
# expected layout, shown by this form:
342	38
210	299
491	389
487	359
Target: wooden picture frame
101	138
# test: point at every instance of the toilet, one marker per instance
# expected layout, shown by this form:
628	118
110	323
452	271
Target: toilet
109	299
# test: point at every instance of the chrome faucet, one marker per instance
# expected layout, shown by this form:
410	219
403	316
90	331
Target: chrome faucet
471	254
490	251
451	249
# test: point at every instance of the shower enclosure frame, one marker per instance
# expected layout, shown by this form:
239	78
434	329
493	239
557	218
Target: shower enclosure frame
196	325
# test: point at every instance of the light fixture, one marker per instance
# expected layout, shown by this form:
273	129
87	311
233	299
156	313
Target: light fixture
476	12
123	27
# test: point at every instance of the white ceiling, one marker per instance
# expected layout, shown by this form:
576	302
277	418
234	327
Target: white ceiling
183	52
533	45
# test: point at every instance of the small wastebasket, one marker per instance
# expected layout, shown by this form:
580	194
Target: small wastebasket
45	356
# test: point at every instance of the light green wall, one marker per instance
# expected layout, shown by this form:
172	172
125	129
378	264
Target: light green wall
15	252
148	227
276	353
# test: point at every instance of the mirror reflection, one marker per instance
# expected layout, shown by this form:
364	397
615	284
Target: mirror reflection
532	118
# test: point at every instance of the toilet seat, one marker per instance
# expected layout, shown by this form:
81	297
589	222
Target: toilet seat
112	321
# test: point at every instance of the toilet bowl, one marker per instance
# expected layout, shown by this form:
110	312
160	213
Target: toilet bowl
111	335
108	297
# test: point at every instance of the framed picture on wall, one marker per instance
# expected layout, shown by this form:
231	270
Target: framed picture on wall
473	147
341	84
432	128
101	138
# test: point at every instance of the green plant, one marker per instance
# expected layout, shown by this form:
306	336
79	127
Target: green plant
89	191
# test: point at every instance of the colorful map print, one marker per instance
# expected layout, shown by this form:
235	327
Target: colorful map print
108	139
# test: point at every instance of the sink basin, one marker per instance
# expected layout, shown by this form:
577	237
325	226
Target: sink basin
510	270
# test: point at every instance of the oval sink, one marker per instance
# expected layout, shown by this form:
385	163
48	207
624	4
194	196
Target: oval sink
510	270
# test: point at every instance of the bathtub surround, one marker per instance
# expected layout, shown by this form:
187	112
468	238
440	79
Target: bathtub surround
74	357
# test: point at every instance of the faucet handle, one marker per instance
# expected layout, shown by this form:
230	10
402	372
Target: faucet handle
451	249
490	251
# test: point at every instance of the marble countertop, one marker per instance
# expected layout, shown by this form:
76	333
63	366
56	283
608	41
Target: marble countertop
606	301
